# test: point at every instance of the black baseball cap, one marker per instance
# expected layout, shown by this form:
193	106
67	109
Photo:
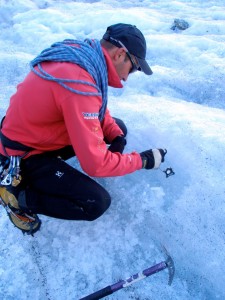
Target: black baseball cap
132	38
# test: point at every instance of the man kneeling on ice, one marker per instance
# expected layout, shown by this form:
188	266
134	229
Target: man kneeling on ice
60	111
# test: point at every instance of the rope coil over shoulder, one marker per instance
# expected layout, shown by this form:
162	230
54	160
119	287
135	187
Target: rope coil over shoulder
88	55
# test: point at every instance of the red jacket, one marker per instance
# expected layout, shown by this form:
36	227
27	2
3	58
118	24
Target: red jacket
45	116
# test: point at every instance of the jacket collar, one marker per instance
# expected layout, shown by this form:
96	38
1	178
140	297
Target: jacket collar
113	78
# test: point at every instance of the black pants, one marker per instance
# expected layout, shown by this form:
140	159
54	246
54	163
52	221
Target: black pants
54	188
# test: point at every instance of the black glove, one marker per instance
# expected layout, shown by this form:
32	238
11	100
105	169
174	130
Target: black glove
151	159
118	144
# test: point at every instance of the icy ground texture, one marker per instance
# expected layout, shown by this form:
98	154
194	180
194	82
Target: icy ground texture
181	108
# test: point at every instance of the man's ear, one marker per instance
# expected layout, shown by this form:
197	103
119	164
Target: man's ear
119	54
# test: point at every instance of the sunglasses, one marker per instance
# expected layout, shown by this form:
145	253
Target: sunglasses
135	67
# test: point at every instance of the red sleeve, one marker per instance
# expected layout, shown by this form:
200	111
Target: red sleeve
87	138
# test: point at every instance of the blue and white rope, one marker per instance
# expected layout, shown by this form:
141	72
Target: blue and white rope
88	55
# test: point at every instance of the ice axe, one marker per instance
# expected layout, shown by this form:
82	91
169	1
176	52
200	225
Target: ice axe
110	289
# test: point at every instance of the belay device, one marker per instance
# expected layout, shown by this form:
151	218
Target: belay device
167	264
169	172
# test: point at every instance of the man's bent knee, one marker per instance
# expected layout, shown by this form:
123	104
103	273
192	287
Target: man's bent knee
97	207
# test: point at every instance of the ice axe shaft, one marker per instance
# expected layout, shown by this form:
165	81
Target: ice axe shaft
134	278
